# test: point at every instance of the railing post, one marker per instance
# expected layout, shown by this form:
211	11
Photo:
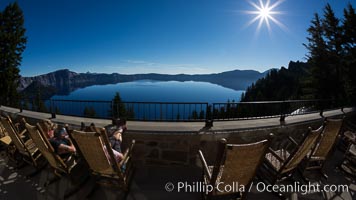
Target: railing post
112	112
33	105
21	107
53	110
322	105
283	107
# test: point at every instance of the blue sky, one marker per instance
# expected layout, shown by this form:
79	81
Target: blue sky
163	36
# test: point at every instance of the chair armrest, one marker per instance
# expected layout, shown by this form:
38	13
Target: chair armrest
126	158
204	165
127	154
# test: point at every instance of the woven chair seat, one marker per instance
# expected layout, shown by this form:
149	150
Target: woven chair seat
235	163
275	162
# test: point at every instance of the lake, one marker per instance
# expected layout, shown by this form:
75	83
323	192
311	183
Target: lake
149	91
157	91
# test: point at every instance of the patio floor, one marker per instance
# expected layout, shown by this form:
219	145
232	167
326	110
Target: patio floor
149	183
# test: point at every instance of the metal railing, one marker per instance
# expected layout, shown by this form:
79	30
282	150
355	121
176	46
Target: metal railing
268	109
164	111
142	111
177	111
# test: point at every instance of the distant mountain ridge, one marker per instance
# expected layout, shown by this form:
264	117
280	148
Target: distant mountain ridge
64	81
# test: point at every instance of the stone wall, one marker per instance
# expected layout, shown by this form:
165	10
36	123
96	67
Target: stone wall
182	149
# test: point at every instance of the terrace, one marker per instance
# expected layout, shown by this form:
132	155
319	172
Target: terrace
167	152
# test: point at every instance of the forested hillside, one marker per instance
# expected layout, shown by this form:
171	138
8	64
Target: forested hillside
282	84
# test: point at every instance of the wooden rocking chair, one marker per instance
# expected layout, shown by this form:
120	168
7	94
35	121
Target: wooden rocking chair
94	147
234	164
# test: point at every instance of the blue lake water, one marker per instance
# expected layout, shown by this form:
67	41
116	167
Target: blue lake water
157	91
149	91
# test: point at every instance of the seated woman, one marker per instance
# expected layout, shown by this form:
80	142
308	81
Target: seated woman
115	132
115	141
61	143
48	127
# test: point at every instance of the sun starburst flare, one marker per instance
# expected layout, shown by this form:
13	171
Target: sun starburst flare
265	13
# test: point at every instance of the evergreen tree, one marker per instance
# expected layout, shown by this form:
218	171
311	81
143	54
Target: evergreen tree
25	105
118	107
349	45
89	111
40	105
12	44
57	111
318	60
201	114
178	117
333	37
194	115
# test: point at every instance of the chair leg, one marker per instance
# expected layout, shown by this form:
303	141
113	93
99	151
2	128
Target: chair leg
324	175
203	194
92	191
76	188
20	165
129	183
279	195
18	159
52	180
32	174
126	194
302	176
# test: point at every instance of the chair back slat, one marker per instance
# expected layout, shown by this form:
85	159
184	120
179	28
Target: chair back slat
44	127
328	137
308	142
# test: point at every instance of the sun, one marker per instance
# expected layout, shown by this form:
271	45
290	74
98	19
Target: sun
265	13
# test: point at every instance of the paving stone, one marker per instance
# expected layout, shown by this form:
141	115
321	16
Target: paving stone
13	175
8	182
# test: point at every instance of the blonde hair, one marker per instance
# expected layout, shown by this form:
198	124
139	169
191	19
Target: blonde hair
50	124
